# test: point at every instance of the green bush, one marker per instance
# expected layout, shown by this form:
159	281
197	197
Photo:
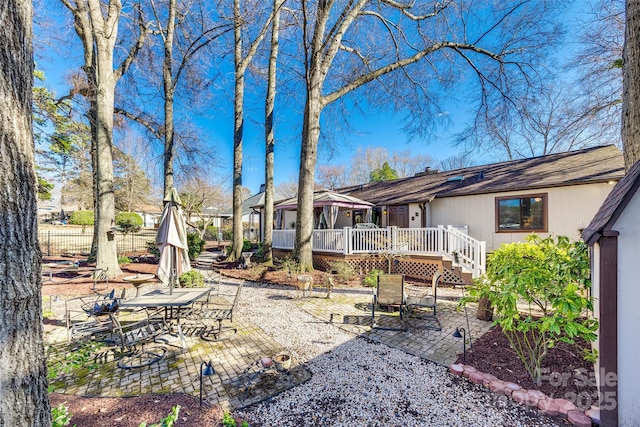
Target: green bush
211	233
82	218
124	260
191	279
60	416
152	248
129	222
344	271
168	421
247	246
289	264
371	279
550	279
196	245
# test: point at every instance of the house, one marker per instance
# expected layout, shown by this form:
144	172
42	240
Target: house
252	214
556	194
614	234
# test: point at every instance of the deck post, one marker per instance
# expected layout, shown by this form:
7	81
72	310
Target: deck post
347	240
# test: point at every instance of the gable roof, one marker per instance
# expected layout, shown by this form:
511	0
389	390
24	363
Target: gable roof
613	205
255	201
590	165
327	198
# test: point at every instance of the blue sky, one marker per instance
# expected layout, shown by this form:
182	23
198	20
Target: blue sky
371	129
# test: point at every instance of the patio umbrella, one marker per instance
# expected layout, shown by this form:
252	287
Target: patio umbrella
172	241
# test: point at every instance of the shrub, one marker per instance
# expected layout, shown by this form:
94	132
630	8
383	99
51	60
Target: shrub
168	421
211	233
195	244
344	270
82	218
60	416
290	265
371	279
247	246
551	279
152	248
124	260
191	279
129	222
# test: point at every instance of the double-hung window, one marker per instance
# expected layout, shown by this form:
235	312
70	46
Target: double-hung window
521	213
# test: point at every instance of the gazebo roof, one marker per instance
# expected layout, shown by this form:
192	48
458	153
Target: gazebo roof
328	198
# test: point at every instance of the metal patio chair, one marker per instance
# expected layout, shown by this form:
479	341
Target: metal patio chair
211	315
390	294
423	299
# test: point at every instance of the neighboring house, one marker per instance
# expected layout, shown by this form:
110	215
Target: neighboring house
252	214
151	215
614	234
556	194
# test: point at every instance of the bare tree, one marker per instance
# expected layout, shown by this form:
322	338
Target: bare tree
198	198
331	177
494	45
287	189
241	58
631	92
98	33
363	162
407	163
23	388
195	33
270	100
457	161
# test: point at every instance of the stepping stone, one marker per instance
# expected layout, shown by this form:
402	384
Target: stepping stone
564	405
594	414
487	378
476	377
497	386
578	419
456	369
549	407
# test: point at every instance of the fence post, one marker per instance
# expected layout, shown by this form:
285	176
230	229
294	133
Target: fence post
346	234
48	242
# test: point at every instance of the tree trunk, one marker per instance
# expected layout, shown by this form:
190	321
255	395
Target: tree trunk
167	77
267	241
106	256
308	158
25	401
485	310
631	86
238	128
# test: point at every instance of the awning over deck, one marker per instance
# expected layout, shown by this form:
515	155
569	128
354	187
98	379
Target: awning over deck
330	202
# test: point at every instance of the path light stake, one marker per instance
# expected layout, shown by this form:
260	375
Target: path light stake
462	335
206	369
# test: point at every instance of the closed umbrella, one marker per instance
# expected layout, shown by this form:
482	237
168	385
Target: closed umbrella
172	241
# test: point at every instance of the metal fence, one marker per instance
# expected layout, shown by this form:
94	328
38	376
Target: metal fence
62	242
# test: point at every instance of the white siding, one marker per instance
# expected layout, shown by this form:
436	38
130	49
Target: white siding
569	210
628	225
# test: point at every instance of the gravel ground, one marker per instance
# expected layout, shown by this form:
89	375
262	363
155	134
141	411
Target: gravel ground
359	383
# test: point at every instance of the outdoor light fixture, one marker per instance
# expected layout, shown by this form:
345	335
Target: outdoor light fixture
384	212
206	369
348	213
462	335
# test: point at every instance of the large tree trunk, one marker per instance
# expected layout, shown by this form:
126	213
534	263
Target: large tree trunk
267	241
308	158
107	256
167	77
631	86
23	374
238	128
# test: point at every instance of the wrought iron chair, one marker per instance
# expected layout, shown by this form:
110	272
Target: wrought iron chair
209	317
425	299
390	293
87	316
137	342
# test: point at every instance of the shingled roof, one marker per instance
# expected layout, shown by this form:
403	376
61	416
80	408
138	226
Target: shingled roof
590	165
613	205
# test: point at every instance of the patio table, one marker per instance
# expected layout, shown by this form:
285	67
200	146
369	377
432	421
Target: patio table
177	299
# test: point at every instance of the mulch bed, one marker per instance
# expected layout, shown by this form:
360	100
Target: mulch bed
566	373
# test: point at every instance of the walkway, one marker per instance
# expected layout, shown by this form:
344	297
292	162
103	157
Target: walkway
238	382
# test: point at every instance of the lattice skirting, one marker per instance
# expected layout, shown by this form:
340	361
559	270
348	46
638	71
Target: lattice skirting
416	267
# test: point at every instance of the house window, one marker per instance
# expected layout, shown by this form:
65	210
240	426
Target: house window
525	213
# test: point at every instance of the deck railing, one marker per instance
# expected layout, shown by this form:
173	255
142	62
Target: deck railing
441	241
